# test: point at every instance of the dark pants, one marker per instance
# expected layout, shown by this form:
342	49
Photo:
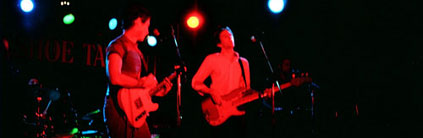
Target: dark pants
118	126
234	127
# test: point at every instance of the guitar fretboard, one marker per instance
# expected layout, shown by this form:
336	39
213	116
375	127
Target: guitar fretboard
251	95
161	84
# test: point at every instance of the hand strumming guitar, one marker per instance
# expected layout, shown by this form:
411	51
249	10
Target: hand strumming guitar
216	98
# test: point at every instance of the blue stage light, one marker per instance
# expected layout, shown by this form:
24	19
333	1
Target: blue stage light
151	40
26	5
276	6
113	24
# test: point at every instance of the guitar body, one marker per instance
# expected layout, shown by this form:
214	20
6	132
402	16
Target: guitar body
218	114
137	104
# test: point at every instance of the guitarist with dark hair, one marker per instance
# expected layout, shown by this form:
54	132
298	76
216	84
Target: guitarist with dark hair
128	101
228	72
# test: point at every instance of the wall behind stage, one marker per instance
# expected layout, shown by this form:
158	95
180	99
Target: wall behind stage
75	66
360	52
72	68
69	66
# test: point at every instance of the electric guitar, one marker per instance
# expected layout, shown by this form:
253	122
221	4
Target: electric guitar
218	114
137	104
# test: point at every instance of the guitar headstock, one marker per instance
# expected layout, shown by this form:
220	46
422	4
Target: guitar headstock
299	81
300	78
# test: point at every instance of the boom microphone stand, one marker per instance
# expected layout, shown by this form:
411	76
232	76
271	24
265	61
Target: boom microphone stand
179	84
276	82
271	71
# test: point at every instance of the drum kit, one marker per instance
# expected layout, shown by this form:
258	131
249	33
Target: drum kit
54	116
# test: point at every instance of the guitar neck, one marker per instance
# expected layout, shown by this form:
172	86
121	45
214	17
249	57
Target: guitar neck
161	84
251	95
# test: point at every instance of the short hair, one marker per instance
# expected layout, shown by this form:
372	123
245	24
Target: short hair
132	12
220	30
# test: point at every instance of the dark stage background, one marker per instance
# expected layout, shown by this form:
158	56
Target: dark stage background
364	54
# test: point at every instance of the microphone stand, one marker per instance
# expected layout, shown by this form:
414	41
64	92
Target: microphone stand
271	70
179	84
276	82
41	127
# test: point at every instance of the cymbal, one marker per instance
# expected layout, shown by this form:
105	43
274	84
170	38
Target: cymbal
52	94
91	115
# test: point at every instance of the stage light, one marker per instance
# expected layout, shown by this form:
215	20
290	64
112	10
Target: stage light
26	5
276	6
193	22
63	3
69	18
113	24
96	111
74	131
88	132
151	40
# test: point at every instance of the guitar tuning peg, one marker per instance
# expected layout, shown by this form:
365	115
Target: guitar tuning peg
180	68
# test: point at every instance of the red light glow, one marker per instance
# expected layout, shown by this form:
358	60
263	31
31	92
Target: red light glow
194	20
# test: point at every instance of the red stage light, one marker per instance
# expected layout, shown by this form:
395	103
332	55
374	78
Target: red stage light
194	20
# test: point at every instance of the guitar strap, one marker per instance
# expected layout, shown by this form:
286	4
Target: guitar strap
144	63
243	75
115	88
243	107
243	72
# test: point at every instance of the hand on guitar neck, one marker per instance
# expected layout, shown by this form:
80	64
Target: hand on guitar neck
148	81
163	90
299	81
137	103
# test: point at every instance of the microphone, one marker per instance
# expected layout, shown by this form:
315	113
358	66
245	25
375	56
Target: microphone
173	36
177	46
156	32
256	37
253	39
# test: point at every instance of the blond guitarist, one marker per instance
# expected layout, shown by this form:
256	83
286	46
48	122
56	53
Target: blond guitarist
123	68
226	74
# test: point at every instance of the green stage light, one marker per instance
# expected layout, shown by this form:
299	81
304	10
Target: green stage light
74	131
68	19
